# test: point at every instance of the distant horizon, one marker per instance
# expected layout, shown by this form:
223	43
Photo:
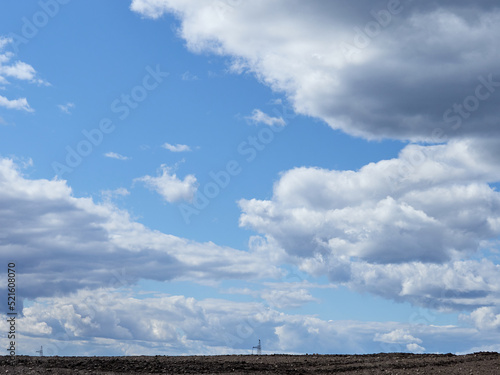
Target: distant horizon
255	355
181	177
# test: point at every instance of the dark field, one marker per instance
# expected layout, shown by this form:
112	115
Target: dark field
394	363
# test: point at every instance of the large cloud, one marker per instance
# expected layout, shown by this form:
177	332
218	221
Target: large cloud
115	321
61	243
409	228
404	228
403	69
426	205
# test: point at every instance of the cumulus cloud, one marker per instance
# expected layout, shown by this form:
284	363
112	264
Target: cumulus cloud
415	348
398	336
85	322
402	337
283	295
259	117
114	155
63	243
110	194
89	307
19	104
176	148
285	299
403	228
170	187
452	286
4	41
426	202
18	70
359	65
485	318
66	108
152	9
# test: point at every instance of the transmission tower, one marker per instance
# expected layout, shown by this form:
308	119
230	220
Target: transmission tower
258	347
40	351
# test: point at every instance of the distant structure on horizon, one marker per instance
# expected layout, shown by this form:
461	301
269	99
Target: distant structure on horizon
40	351
258	347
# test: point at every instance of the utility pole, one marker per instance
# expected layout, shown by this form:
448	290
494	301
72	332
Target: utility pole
259	349
40	351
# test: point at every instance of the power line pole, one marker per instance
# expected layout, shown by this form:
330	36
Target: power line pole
259	349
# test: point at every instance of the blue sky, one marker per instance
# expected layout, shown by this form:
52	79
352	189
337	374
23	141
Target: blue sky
187	178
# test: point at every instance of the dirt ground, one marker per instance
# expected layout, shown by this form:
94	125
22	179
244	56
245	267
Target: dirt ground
394	363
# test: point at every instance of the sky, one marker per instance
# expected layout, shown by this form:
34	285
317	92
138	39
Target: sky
182	177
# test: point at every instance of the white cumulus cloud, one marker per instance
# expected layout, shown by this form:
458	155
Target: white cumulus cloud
91	307
87	321
176	148
398	336
259	117
359	65
114	155
403	228
45	226
486	318
18	70
19	104
171	187
66	108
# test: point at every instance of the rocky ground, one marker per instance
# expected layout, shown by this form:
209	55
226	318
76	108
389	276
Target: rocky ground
395	363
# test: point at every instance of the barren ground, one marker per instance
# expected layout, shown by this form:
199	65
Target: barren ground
394	363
